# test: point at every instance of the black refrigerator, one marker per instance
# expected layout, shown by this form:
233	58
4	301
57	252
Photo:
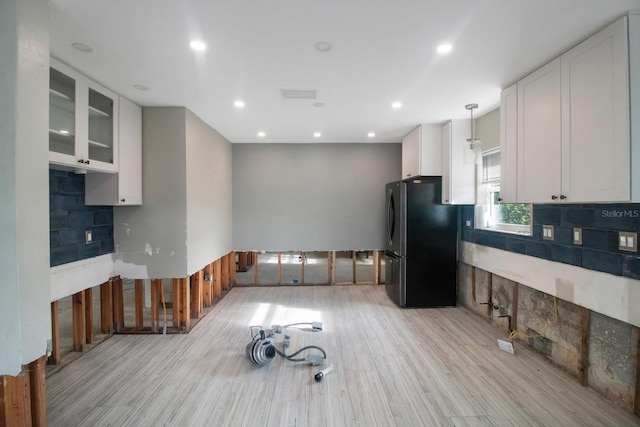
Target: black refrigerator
421	247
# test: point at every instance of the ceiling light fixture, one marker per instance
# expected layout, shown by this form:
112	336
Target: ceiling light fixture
371	134
239	104
261	134
318	104
140	87
444	48
323	46
198	45
396	105
82	47
317	134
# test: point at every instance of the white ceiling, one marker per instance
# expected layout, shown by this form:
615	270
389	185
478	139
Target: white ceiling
383	51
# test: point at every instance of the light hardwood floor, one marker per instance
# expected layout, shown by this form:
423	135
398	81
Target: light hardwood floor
393	367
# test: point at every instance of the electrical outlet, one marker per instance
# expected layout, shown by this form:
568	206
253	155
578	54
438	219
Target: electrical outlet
468	223
88	236
505	345
577	236
547	232
628	241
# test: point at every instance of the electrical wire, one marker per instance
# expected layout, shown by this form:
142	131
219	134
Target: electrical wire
290	357
164	306
516	332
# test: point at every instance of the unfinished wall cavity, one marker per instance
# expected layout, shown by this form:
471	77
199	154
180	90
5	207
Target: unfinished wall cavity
597	350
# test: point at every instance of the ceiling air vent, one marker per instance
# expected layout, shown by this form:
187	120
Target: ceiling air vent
298	93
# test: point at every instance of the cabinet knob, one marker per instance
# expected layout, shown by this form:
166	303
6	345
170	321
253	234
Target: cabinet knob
554	197
500	199
81	161
563	197
86	162
122	200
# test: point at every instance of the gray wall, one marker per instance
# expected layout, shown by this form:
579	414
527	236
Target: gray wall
184	220
25	322
304	197
488	129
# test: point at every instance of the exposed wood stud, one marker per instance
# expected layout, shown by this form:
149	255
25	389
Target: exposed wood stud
15	400
242	261
185	303
88	315
354	254
118	304
54	359
207	288
381	259
196	293
256	275
302	262
636	398
584	349
224	268
232	269
473	288
490	299
376	267
175	302
332	267
217	279
155	303
514	304
106	308
139	304
279	267
78	321
38	393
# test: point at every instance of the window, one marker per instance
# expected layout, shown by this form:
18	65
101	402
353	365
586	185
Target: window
490	213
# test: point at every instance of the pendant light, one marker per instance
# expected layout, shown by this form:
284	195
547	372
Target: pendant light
472	146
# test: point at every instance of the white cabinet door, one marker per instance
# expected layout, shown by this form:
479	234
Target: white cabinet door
595	118
458	166
411	154
539	135
509	144
125	187
82	122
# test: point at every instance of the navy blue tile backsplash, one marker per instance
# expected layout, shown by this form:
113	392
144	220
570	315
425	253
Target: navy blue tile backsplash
70	218
600	225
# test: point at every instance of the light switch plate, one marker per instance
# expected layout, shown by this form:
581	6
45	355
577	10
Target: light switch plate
577	236
547	232
628	241
88	236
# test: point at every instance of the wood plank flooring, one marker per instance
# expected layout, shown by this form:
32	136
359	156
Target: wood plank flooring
393	367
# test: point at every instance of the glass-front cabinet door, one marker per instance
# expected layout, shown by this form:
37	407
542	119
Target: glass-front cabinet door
83	122
62	113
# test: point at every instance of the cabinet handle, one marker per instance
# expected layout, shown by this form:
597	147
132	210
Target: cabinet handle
122	200
563	197
554	197
408	174
81	161
500	199
86	162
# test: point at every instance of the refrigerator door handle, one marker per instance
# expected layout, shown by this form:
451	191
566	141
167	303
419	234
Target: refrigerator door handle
391	217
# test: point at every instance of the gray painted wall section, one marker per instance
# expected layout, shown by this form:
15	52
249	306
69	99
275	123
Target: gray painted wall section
25	322
209	217
488	129
307	197
185	220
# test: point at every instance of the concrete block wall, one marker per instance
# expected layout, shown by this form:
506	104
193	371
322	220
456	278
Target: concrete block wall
611	351
69	218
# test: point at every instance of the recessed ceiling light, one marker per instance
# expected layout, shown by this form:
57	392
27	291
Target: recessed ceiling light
317	134
323	46
261	134
319	104
198	45
140	87
371	134
239	104
445	48
82	47
396	105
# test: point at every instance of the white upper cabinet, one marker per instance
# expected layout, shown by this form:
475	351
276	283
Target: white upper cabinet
595	118
422	152
573	142
539	134
83	122
458	164
125	187
509	144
